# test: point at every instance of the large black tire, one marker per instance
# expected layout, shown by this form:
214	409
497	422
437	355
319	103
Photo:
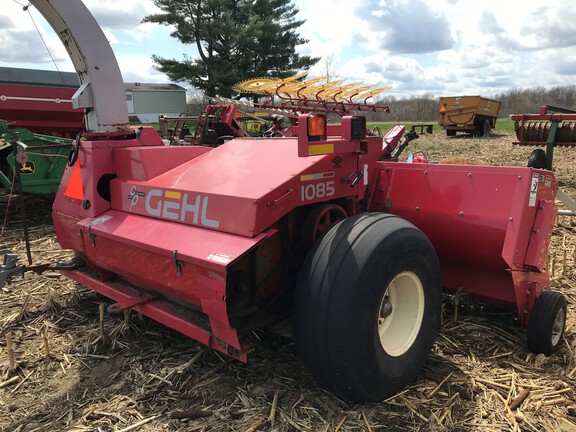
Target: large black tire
485	128
537	159
547	323
367	306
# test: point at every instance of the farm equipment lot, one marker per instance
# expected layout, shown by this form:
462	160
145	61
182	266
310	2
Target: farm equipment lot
132	370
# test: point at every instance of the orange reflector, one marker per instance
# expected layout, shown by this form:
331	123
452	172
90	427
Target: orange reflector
316	126
74	188
443	108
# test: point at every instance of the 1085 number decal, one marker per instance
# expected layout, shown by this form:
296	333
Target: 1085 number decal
311	192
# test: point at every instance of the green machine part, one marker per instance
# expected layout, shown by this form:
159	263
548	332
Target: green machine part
47	157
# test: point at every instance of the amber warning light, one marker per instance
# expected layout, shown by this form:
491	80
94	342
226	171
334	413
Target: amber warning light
316	127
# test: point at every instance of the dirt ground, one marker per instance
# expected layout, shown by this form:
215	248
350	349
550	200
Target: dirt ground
75	373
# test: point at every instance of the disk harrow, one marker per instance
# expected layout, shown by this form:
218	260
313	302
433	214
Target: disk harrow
551	127
537	133
551	124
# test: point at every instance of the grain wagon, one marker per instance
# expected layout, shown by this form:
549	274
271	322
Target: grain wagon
470	114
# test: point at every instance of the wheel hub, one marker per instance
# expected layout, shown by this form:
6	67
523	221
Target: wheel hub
386	309
558	328
401	313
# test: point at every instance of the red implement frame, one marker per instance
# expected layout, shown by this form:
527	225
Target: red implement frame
186	230
489	225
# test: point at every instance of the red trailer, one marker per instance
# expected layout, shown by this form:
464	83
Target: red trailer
43	108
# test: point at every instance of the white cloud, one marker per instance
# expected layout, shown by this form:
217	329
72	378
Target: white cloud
419	46
406	26
471	47
139	68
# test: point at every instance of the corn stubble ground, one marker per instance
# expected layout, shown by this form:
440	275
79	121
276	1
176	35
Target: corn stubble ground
74	373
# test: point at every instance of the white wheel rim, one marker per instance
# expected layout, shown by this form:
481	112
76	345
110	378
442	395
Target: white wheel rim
400	314
558	327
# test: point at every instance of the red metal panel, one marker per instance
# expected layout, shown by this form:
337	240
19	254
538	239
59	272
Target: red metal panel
463	209
95	162
534	187
492	285
211	249
148	136
145	163
237	187
481	221
540	239
183	263
528	286
225	213
242	167
67	231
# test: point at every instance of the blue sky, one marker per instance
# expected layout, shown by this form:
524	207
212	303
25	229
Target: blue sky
436	47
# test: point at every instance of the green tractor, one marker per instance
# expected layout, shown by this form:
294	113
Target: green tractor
41	160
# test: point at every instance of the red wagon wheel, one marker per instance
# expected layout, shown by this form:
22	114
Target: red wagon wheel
320	219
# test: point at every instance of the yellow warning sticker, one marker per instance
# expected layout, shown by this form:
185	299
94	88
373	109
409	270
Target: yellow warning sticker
317	176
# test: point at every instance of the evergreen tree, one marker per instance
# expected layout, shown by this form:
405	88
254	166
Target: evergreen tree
235	39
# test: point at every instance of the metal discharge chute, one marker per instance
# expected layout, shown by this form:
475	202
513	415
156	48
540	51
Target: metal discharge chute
101	93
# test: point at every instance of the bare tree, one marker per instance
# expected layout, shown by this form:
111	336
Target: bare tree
196	100
329	67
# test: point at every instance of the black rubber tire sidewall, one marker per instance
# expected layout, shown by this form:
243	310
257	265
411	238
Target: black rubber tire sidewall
537	159
542	318
336	306
486	127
